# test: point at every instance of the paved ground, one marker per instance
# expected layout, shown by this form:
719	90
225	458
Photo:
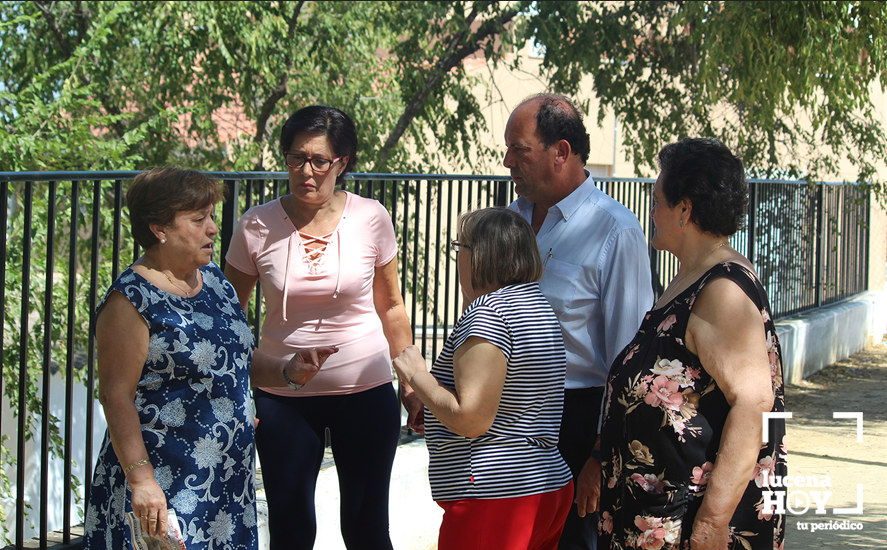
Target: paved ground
819	444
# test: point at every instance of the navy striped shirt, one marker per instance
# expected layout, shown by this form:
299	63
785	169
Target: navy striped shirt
518	455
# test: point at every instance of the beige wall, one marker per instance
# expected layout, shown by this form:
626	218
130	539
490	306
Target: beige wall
513	86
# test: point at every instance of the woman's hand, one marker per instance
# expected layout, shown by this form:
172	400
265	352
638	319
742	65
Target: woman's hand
305	363
408	363
149	505
414	407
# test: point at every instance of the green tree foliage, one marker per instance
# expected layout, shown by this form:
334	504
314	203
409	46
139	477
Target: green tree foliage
785	84
152	80
121	85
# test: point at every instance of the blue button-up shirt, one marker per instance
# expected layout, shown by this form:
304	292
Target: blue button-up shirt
597	278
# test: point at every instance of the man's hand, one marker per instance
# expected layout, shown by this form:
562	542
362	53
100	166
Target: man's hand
588	488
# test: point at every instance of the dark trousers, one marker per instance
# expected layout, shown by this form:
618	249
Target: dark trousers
578	432
364	429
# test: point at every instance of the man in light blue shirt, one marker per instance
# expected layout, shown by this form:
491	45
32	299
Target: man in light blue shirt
597	277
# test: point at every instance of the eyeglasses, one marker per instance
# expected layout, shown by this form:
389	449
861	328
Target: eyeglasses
457	246
319	165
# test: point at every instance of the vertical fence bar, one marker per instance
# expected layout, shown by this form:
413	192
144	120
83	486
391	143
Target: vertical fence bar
752	221
867	215
90	353
46	364
426	262
501	193
23	365
446	244
457	296
435	310
4	222
69	359
229	217
818	230
118	208
413	239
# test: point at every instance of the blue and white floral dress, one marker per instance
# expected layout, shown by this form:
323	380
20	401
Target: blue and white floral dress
195	406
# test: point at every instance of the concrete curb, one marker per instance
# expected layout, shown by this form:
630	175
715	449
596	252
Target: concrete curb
816	339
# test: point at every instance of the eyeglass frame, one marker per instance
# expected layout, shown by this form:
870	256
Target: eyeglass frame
310	160
455	246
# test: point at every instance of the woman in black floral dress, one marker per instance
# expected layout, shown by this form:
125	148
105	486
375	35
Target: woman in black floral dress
683	463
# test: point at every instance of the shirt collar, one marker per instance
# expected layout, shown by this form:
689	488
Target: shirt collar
572	202
569	204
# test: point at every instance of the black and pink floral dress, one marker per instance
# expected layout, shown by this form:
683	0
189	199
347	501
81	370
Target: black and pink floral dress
662	425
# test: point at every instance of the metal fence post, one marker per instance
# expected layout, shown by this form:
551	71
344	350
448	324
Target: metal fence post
752	221
229	218
820	257
501	195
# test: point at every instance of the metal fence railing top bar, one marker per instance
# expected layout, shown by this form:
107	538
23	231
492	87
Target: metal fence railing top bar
130	174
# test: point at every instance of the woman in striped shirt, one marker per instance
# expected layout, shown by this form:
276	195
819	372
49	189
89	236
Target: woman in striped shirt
494	396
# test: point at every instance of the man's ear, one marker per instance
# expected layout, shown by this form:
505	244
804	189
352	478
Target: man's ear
562	151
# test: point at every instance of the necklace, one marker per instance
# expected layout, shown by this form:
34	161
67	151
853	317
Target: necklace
675	284
187	292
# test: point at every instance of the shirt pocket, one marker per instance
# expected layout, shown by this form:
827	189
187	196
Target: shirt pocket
558	284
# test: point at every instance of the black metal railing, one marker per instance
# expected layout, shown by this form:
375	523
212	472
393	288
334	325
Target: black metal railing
66	243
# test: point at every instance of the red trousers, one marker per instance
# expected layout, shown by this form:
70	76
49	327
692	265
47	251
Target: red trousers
532	522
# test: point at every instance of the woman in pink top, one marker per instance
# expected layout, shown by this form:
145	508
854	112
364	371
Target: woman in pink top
327	263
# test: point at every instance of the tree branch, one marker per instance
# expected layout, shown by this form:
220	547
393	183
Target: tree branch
279	91
453	55
54	27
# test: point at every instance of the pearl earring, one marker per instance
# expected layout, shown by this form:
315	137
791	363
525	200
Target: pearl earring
163	241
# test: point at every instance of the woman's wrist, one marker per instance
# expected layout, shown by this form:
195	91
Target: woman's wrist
137	464
293	385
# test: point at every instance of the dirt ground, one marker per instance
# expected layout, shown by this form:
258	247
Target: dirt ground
820	445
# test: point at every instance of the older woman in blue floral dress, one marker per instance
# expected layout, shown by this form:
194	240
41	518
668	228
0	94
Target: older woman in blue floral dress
175	360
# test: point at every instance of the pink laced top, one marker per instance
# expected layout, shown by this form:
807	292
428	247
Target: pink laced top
320	296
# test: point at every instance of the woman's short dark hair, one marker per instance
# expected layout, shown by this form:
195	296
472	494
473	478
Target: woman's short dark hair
330	122
558	118
706	173
156	196
503	247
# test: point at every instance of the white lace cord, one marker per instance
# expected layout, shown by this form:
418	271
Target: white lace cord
338	239
286	276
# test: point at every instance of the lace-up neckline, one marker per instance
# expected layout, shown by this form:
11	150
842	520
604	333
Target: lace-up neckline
314	256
